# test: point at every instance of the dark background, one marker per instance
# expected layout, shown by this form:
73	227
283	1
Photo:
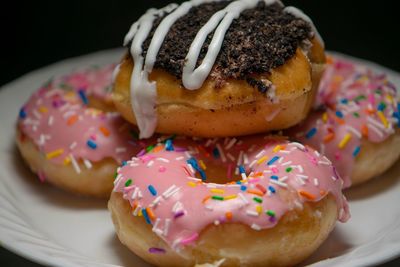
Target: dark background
37	33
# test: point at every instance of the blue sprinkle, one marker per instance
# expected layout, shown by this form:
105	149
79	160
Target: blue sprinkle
215	153
242	169
274	177
168	145
344	101
339	114
356	151
146	216
311	133
275	158
270	188
91	144
398	107
22	113
238	182
83	96
152	190
194	164
397	116
381	106
243	188
124	163
203	175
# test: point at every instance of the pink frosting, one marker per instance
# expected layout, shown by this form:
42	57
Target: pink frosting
169	186
59	121
353	103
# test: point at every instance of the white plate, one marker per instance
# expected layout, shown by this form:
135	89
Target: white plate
51	227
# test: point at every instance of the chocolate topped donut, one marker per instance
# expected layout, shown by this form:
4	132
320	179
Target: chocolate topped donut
261	39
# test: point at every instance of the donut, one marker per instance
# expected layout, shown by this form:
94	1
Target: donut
356	122
183	204
203	68
69	135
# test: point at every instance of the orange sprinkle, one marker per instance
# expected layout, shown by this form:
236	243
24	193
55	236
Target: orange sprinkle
369	111
150	213
104	131
205	199
338	120
307	195
255	192
204	151
329	137
364	130
71	120
158	148
43	109
228	215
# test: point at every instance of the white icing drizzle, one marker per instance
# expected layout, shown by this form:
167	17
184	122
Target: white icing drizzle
143	93
300	14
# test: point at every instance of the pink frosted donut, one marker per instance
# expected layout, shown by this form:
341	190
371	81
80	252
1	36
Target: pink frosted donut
69	136
356	124
190	202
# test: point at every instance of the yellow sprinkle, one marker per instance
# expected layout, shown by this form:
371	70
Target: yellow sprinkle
383	119
192	184
277	148
344	141
337	78
54	153
202	165
325	117
43	109
230	197
389	98
67	160
262	160
140	213
217	191
259	209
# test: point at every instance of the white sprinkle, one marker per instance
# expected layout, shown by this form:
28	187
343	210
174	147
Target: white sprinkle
298	204
354	131
156	201
169	190
162	159
193	178
256	227
187	154
333	178
173	192
375	129
240	158
285	151
190	168
299	146
300	168
209	207
252	163
73	145
158	232
75	164
324	162
37	114
280	160
243	198
167	224
120	149
208	143
140	196
177	207
216	222
283	179
69	113
50	120
287	163
230	144
376	123
136	211
135	193
261	153
245	159
267	171
156	223
302	176
316	182
221	153
150	163
317	153
230	156
180	158
301	181
87	163
278	183
252	213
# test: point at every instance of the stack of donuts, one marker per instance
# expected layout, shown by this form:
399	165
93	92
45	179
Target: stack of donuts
227	139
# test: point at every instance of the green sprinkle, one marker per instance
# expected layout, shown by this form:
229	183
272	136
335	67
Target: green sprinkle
356	114
270	213
378	91
257	199
289	169
217	198
149	148
115	175
128	183
360	97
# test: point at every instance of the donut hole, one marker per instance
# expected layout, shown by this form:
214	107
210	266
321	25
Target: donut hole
217	171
